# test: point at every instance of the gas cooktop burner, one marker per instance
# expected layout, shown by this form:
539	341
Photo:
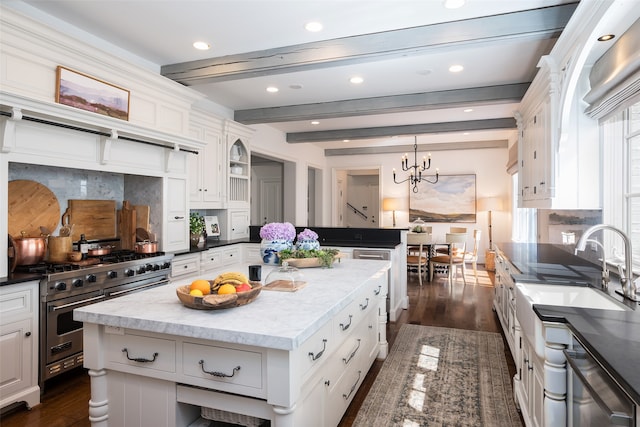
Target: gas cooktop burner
112	258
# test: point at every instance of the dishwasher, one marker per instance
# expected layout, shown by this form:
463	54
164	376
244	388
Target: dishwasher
593	396
379	254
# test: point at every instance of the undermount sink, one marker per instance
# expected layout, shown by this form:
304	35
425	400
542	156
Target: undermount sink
557	295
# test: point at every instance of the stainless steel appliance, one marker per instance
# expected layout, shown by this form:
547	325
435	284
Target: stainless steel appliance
65	287
593	397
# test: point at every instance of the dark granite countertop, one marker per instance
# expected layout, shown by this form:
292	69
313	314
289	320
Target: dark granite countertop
14	278
612	337
546	263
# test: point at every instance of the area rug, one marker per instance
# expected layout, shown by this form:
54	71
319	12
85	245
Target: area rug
441	377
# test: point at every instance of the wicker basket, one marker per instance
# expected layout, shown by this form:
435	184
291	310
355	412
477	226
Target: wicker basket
231	417
215	301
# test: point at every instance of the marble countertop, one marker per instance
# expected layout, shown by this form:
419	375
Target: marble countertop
279	320
612	337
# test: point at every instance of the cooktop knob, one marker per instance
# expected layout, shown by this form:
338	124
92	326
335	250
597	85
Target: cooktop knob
77	283
129	272
112	274
166	264
91	278
142	270
60	286
156	267
149	267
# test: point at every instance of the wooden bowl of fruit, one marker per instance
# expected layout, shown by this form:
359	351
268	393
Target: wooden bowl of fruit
225	291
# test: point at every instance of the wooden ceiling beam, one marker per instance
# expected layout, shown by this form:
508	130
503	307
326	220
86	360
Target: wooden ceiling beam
385	104
467	145
536	23
389	131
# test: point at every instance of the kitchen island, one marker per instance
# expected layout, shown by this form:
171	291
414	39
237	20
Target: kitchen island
293	358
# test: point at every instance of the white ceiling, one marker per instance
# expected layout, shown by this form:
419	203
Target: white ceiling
159	33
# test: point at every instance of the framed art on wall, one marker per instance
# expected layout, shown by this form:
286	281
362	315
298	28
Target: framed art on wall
451	199
88	93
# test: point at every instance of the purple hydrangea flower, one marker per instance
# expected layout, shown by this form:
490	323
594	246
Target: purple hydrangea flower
307	234
278	231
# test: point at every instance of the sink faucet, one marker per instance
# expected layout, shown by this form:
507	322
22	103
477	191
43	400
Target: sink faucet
605	268
626	277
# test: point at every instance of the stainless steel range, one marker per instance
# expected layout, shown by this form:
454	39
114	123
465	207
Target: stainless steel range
66	287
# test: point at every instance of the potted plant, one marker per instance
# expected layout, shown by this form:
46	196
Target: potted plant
276	236
196	227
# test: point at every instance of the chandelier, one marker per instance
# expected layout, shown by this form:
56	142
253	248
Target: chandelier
415	174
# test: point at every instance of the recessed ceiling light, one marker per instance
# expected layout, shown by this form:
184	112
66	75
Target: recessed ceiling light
315	122
453	4
468	110
466	133
346	140
313	27
356	80
202	45
272	89
295	86
606	37
456	68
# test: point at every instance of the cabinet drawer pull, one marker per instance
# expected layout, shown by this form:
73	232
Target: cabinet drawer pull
353	387
218	374
319	355
139	359
343	326
178	217
377	291
364	307
353	353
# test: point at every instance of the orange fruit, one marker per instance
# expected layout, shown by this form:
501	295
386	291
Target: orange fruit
226	289
202	285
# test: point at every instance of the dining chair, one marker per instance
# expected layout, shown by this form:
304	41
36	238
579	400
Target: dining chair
451	230
426	229
472	256
458	244
418	258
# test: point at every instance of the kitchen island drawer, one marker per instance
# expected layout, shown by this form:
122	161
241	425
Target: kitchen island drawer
227	367
315	350
136	354
185	265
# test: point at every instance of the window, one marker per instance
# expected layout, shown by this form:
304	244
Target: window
621	143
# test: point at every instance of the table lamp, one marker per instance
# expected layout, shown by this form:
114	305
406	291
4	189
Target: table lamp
391	204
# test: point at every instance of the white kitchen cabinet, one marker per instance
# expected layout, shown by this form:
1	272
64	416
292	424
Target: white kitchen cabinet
19	344
558	151
504	299
239	220
238	165
177	215
207	189
529	385
185	265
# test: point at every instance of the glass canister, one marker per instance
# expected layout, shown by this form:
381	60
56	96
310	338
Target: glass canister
286	278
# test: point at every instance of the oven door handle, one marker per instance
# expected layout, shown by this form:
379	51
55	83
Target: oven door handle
148	285
617	418
73	304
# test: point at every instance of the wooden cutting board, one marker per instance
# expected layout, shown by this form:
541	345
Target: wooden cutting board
31	205
142	216
96	219
127	226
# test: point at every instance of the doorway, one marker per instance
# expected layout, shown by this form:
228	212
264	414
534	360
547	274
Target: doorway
267	190
357	198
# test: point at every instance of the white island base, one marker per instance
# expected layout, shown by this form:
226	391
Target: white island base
293	358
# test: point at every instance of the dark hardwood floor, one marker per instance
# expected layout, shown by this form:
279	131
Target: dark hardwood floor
65	399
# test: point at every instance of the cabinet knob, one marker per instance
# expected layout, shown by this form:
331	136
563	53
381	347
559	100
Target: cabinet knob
27	334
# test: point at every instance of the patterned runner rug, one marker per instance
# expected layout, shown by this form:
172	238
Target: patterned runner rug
441	377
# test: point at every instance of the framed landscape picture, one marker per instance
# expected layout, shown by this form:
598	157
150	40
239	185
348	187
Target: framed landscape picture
451	199
87	93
